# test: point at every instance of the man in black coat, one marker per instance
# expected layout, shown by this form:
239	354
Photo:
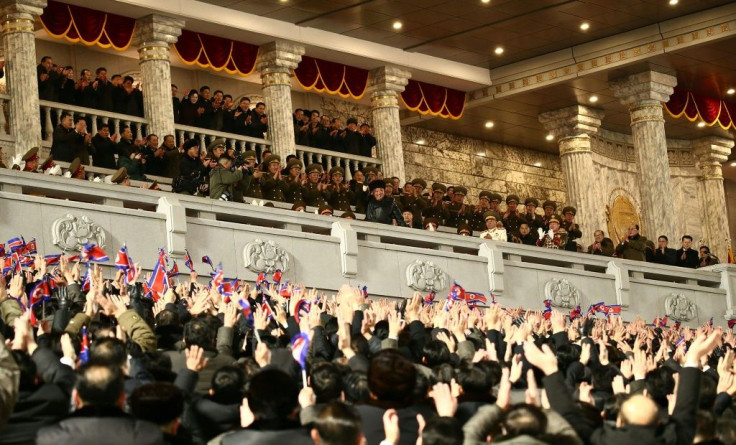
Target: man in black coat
67	141
99	417
48	80
381	208
104	148
663	254
686	255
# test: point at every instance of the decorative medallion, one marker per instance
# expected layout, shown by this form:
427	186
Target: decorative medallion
680	307
70	233
265	256
425	276
621	213
562	293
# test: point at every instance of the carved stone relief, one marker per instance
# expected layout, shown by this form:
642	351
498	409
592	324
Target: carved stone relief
70	233
680	307
562	293
425	276
265	256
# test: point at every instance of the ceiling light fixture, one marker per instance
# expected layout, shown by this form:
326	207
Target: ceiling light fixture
485	2
498	50
549	137
701	124
674	2
593	99
733	164
482	154
489	124
731	91
397	25
537	164
420	142
585	26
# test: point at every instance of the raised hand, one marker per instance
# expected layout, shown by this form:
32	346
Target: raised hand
195	360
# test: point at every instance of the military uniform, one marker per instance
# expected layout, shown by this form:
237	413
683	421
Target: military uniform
495	201
338	196
494	233
513	221
458	213
556	240
293	183
465	230
572	229
310	192
222	182
477	219
545	218
436	209
273	189
535	221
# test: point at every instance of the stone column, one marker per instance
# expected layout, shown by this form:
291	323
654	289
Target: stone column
572	126
20	68
711	152
384	87
276	60
153	36
644	93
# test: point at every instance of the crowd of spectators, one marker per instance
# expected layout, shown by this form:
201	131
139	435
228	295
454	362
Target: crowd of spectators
223	365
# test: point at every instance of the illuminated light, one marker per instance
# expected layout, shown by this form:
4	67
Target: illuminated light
482	154
420	142
593	99
485	2
585	26
489	124
397	25
674	2
733	164
549	137
537	164
731	91
701	124
498	50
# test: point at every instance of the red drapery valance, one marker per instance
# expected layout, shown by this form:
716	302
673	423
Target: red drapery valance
335	78
218	53
426	98
696	106
78	24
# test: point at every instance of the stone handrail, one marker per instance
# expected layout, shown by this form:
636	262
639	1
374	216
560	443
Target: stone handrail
206	136
331	159
52	112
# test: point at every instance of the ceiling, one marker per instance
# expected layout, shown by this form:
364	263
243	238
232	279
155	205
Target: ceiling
468	31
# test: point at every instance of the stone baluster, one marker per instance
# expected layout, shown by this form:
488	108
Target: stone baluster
330	164
19	47
139	131
644	94
153	36
348	172
48	125
572	126
355	165
276	60
94	124
386	83
319	158
202	142
3	122
179	137
711	152
116	127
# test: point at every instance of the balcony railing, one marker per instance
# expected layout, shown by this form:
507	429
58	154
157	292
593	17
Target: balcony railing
52	113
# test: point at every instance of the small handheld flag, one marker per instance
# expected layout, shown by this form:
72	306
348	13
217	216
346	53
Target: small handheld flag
93	253
84	350
206	259
299	349
277	276
301	308
575	313
122	260
188	261
731	323
174	271
429	299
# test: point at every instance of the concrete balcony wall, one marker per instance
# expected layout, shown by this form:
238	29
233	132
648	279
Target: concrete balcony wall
328	252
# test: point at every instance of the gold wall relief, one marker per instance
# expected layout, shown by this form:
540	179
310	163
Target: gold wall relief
621	213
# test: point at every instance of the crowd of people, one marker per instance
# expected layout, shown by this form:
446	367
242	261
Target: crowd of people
88	360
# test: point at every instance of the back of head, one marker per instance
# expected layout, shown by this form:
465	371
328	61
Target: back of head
435	352
100	385
355	386
108	351
705	426
442	431
326	382
159	402
638	410
28	370
660	383
474	381
199	332
525	420
272	395
228	385
391	376
337	424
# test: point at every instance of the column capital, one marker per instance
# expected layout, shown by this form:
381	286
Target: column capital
572	121
279	56
157	30
33	7
388	80
711	153
644	88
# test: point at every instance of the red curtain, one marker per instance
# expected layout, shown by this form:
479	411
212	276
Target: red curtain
696	106
78	24
217	53
334	78
426	98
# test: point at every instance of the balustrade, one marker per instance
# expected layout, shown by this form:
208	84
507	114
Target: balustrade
52	114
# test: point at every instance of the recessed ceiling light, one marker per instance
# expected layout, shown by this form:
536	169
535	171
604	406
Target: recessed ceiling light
593	99
549	137
498	50
585	26
397	24
485	1
420	142
537	164
489	124
674	2
733	164
482	154
731	91
701	124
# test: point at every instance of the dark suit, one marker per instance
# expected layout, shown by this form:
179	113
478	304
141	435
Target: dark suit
103	152
67	144
605	250
669	257
691	258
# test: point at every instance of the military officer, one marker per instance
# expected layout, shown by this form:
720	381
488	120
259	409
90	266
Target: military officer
252	188
549	207
361	198
325	210
465	230
477	218
223	179
458	211
121	177
338	193
274	188
535	221
47	164
431	224
493	232
495	202
512	219
414	200
76	169
313	190
294	181
436	205
572	229
31	160
555	237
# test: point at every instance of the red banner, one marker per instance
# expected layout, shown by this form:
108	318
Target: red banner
78	24
696	106
334	78
426	98
218	53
